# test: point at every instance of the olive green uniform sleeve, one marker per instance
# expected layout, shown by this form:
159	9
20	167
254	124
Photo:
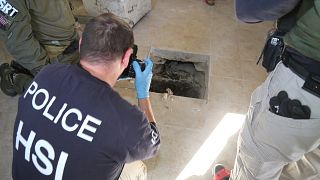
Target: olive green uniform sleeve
18	36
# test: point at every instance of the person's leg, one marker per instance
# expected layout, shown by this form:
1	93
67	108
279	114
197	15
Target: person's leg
307	168
134	171
267	142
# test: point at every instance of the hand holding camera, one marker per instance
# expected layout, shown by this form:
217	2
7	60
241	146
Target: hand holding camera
143	78
129	73
141	71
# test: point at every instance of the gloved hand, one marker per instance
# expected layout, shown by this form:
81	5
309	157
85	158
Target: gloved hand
284	106
143	79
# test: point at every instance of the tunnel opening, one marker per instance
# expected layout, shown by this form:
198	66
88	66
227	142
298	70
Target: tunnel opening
180	78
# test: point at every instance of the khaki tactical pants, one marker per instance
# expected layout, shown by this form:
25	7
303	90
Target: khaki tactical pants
134	171
268	142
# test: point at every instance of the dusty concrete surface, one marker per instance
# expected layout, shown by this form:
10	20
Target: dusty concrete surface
189	127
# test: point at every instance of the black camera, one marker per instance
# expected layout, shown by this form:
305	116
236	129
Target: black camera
129	71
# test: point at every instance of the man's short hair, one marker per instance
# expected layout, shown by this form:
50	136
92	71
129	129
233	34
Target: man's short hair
105	38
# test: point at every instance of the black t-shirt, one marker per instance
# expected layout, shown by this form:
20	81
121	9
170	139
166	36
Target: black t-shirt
71	125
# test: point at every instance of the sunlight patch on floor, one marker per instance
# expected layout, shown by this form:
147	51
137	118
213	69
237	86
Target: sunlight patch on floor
212	147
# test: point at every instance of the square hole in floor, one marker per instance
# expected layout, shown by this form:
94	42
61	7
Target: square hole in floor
180	73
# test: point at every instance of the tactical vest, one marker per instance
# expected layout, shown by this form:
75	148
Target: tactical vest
303	28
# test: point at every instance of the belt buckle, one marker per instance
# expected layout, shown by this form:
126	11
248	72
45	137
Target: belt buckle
312	85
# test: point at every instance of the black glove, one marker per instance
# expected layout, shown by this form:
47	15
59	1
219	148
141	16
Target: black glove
282	105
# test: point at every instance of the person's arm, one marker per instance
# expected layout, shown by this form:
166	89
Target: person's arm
253	11
142	85
145	106
144	139
20	41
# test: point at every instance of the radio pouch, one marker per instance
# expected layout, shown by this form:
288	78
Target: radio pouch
272	51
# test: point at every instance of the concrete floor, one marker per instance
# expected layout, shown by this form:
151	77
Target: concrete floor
186	124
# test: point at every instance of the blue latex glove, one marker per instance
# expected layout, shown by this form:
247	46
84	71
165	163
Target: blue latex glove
143	79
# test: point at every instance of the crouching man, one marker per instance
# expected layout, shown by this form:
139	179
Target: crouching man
71	124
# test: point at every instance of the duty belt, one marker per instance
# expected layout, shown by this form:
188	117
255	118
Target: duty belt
312	80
